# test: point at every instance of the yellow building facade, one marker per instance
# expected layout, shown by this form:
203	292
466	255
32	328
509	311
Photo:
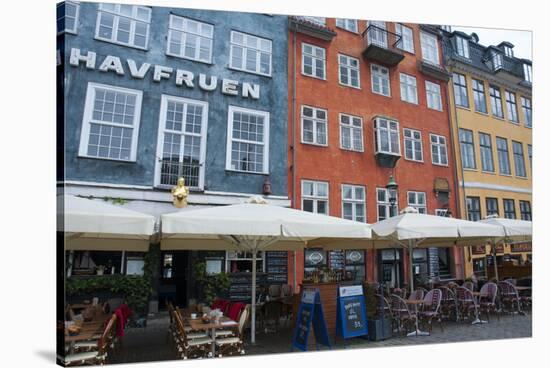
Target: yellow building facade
491	118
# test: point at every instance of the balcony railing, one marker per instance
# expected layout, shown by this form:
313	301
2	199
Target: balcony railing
381	46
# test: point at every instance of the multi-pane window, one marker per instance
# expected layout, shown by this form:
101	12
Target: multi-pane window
509	209
315	196
314	125
491	206
519	161
528	73
503	158
190	39
377	34
386	136
508	51
111	122
380	78
530	155
408	88
250	53
407	41
124	24
461	90
463	47
353	202
67	16
430	51
413	144
480	103
248	140
417	200
439	149
525	210
313	61
527	111
347	24
474	210
351	132
486	150
433	96
511	106
384	205
348	70
496	59
182	139
496	102
466	138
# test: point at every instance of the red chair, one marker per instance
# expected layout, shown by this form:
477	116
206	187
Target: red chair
235	310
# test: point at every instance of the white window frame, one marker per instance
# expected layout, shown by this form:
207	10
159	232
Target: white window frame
314	58
351	127
415	204
519	159
466	141
496	101
77	13
257	50
433	96
439	147
508	51
316	121
386	202
387	131
87	120
316	197
354	201
413	141
162	130
265	114
526	104
183	40
463	100
430	48
477	92
407	35
380	76
133	19
349	68
511	106
376	36
463	47
496	60
486	152
345	24
528	72
407	87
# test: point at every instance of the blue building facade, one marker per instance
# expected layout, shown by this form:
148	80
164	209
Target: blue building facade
150	94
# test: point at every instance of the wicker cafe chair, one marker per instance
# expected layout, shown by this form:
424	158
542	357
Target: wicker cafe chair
468	285
509	297
431	308
234	345
98	355
449	306
403	316
198	347
487	299
467	306
418	294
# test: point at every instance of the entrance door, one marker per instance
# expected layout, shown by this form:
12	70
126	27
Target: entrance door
390	267
174	277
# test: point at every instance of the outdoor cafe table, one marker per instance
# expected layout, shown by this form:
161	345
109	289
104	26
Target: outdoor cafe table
416	303
198	324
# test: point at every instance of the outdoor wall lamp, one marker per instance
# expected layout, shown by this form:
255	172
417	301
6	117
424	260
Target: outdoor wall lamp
392	188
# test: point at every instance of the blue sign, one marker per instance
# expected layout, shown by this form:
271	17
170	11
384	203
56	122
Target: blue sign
310	313
351	314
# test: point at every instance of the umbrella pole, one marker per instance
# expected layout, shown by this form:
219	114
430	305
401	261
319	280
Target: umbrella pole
294	272
411	265
253	319
495	259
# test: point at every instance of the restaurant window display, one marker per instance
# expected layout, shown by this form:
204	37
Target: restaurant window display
96	263
355	265
239	261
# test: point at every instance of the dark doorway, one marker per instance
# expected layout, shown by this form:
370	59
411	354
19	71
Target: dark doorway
390	267
174	278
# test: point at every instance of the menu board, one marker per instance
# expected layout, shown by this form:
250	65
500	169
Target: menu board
337	260
241	285
276	267
351	316
310	314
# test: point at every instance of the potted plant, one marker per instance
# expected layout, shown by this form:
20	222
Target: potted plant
100	270
379	327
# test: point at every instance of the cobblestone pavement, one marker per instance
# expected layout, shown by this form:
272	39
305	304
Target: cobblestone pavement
153	343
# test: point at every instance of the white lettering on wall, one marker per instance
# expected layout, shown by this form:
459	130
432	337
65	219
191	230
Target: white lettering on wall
112	63
77	57
208	87
184	76
229	87
161	72
138	73
251	90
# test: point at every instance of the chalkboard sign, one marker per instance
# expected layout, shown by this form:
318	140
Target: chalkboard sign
276	267
310	314
351	314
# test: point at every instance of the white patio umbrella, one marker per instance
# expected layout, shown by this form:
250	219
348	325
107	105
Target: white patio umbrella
93	225
255	226
424	231
514	230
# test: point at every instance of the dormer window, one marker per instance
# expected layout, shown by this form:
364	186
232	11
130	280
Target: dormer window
463	47
508	51
496	59
528	73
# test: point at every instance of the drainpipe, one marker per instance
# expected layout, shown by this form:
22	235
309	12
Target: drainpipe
295	284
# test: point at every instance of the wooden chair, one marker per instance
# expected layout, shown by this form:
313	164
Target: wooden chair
97	355
234	345
199	347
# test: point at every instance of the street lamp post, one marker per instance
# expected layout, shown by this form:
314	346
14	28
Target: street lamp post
392	197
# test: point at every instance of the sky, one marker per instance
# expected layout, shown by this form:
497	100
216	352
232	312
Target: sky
522	40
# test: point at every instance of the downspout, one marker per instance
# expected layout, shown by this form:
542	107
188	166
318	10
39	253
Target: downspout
295	284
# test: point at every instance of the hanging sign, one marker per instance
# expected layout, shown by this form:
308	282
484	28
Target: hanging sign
351	314
310	314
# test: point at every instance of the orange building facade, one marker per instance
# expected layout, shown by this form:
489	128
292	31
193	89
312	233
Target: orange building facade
367	101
